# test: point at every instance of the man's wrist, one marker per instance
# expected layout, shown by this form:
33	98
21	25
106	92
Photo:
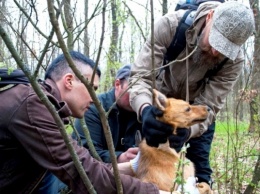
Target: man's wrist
125	168
142	108
132	169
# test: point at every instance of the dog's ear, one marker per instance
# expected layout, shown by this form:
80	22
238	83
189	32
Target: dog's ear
160	100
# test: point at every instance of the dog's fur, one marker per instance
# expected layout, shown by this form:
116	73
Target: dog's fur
159	165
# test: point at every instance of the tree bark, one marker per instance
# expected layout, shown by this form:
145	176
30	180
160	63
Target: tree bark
164	7
256	176
254	105
255	84
69	24
86	39
113	48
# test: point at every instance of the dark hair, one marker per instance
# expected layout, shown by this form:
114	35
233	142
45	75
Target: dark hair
59	66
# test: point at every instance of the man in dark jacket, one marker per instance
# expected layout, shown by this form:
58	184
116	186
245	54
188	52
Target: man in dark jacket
122	121
31	144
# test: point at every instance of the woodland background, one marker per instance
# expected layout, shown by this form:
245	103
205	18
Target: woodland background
112	34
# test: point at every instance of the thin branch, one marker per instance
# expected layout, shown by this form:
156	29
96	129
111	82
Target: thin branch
89	142
75	157
152	46
33	24
131	13
101	38
44	51
86	23
75	131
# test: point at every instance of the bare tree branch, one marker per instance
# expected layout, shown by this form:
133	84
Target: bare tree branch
152	46
131	13
55	25
89	142
33	24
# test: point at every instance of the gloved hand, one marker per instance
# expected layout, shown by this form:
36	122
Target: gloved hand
177	141
155	132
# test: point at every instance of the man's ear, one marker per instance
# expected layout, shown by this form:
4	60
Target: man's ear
117	83
210	15
68	81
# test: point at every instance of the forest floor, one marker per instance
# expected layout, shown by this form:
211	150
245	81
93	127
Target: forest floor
233	159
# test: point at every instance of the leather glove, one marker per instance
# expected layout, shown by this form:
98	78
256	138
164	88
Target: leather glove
155	132
177	141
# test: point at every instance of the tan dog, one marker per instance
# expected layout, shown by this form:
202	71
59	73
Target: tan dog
159	165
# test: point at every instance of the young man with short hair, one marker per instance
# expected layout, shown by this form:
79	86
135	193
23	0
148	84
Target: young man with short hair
32	146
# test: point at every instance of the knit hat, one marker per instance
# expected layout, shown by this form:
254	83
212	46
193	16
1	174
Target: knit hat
233	23
123	72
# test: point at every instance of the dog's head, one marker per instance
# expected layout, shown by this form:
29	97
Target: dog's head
179	113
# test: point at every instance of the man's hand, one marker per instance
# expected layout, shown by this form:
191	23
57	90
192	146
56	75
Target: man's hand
155	132
178	140
128	155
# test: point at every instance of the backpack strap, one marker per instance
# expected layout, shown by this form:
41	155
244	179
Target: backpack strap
179	40
9	79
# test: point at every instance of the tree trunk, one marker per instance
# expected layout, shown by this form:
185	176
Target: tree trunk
23	39
113	48
86	39
69	23
2	13
254	110
115	33
255	84
164	7
256	176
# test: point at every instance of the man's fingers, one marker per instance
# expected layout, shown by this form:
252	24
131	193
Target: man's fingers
133	150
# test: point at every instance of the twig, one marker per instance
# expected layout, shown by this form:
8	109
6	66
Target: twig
89	140
34	25
131	13
101	38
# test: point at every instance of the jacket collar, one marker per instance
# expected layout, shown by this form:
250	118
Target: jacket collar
62	107
52	88
108	100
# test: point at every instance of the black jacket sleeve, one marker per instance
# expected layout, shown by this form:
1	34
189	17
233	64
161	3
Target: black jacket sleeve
95	128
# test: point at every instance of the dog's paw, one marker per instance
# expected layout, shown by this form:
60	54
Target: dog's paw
204	188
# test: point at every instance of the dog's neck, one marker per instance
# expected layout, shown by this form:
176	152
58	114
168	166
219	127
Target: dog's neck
166	147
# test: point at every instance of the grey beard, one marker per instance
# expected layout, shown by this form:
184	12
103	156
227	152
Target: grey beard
204	59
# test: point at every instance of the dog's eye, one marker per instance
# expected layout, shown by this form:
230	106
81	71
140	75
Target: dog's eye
188	109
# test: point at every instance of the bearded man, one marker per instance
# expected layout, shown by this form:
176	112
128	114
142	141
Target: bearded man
217	32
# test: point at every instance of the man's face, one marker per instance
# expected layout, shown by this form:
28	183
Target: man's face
78	98
205	55
123	101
